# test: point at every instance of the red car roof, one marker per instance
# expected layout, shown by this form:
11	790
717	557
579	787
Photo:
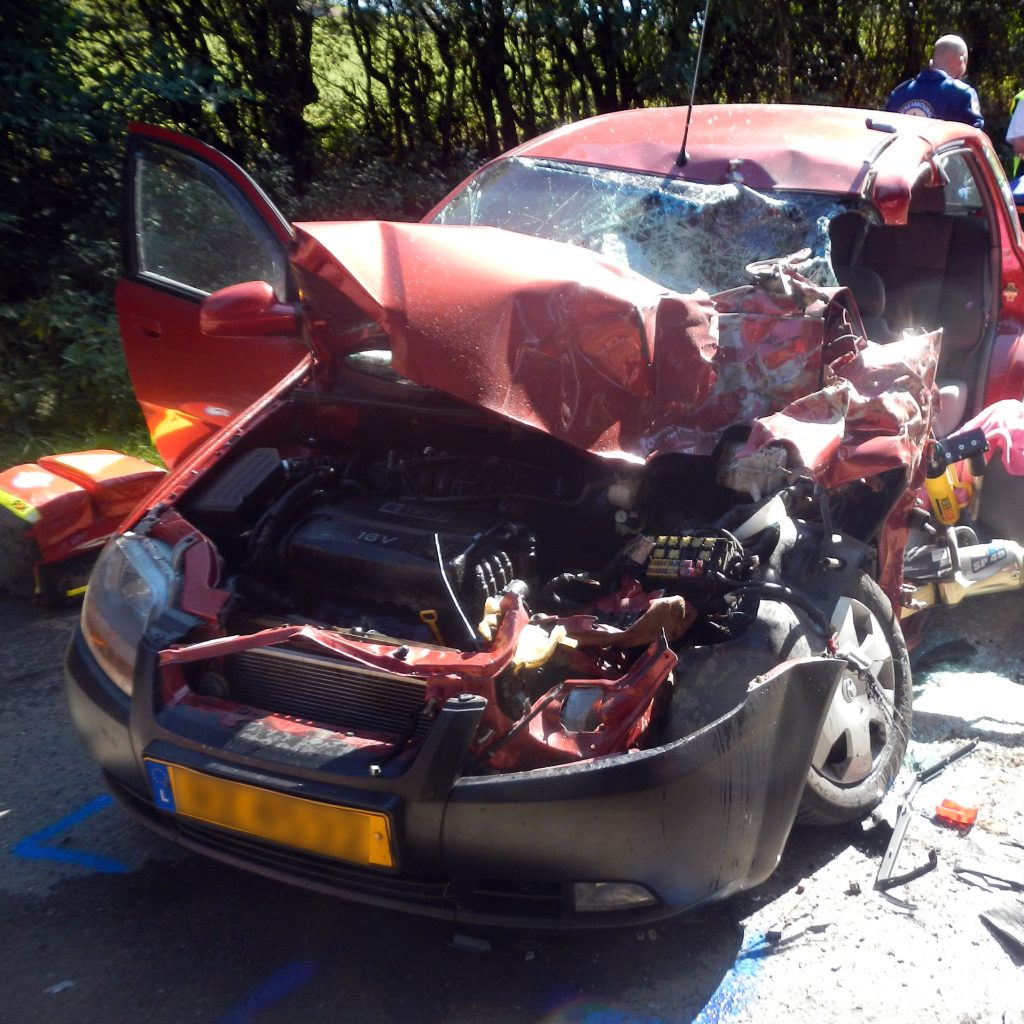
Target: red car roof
819	149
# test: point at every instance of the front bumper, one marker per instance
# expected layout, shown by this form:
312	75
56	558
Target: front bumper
697	819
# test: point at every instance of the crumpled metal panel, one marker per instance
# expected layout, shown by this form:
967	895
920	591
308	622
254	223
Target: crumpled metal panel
706	815
544	333
556	337
768	354
623	706
874	417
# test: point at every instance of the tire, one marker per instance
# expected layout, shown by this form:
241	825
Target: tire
867	727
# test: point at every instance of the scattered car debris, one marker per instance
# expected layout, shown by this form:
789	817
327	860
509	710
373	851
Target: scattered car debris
790	913
992	865
1008	920
470	943
60	986
886	879
949	812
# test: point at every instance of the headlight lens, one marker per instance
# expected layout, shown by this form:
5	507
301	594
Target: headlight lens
131	586
595	897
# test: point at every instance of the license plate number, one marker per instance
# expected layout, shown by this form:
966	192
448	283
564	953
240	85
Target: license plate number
345	833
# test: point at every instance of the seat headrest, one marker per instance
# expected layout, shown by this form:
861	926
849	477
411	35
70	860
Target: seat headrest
867	287
845	231
927	199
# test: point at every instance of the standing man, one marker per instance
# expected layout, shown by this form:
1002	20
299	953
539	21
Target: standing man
938	90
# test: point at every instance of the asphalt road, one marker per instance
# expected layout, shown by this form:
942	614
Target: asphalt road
99	921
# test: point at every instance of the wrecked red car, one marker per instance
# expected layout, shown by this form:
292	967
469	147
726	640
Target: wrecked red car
542	562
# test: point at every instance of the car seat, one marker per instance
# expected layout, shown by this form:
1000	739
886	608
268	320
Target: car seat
936	273
868	290
963	317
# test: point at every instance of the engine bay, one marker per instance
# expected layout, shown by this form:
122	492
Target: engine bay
415	544
619	578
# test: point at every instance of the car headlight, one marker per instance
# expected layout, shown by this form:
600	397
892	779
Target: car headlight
130	587
594	897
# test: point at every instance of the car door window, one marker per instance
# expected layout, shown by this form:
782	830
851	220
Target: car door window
193	232
962	195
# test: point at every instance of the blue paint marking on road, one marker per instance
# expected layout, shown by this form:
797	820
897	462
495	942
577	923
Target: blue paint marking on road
738	987
35	847
283	982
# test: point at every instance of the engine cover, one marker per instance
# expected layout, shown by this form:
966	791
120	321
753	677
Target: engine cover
391	551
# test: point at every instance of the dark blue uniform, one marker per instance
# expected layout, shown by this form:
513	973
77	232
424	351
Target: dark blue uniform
935	94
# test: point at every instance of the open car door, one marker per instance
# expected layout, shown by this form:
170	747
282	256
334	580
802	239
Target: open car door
195	222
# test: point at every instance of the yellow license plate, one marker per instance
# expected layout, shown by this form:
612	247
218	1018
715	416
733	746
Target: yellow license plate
361	837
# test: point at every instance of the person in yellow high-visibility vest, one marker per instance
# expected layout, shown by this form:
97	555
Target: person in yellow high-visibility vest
1015	132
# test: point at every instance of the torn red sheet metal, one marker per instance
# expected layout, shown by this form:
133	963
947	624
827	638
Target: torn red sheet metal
769	353
875	417
622	707
562	339
559	338
547	334
422	662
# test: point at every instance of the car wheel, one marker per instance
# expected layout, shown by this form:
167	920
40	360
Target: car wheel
865	733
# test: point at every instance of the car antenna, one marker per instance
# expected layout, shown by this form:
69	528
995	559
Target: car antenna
684	157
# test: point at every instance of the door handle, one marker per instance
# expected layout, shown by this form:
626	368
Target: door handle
149	327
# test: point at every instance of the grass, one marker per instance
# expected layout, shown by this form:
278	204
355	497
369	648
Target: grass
15	449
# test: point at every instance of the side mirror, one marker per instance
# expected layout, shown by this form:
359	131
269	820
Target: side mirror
249	309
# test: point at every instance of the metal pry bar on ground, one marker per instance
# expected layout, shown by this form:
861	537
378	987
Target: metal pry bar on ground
885	879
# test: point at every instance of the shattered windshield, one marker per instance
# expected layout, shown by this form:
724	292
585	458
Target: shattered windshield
684	235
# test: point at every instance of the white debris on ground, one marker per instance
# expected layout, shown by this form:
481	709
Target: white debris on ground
838	950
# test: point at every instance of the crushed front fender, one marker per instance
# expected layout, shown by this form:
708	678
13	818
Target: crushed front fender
700	818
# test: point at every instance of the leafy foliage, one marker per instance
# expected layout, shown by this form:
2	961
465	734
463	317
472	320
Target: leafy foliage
66	363
58	159
59	348
237	74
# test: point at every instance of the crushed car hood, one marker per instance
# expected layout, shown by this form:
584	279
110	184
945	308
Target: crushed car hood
559	338
544	333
